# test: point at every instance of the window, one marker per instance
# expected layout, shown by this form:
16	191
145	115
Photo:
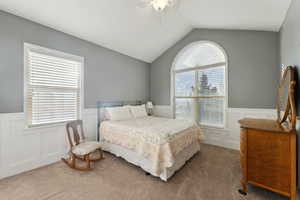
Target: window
199	84
53	86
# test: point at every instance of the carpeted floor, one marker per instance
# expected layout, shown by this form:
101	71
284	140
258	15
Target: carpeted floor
213	174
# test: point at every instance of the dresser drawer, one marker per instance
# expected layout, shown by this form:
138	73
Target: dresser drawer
273	177
268	159
269	149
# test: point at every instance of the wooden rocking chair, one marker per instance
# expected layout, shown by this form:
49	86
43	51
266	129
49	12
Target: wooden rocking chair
79	148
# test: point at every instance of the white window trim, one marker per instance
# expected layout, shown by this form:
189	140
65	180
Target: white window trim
173	72
56	53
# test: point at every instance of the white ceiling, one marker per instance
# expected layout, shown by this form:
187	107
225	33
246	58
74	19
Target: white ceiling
126	27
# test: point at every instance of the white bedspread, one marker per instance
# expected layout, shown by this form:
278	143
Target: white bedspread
156	139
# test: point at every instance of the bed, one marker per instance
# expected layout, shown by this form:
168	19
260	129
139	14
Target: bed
160	146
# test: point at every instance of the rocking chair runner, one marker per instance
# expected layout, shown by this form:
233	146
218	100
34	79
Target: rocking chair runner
79	148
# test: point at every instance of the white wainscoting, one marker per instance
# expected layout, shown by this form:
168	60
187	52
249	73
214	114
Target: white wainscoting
229	136
24	149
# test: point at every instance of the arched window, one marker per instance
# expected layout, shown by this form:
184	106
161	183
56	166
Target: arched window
199	87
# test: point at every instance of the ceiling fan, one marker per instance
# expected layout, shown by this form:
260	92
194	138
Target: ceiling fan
158	5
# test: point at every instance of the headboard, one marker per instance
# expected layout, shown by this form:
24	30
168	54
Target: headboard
104	104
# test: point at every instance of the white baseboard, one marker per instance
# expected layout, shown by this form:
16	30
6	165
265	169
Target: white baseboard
27	166
229	144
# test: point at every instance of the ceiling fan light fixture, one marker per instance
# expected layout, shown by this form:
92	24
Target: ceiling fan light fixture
160	5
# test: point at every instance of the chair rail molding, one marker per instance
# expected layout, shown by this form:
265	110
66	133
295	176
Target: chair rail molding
23	149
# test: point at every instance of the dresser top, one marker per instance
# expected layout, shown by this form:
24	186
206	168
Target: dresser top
265	125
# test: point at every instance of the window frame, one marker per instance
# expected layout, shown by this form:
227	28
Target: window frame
51	52
173	73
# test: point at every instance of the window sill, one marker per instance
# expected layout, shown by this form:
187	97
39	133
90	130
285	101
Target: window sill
211	126
45	126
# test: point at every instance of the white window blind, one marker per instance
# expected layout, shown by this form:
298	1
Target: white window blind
200	85
53	86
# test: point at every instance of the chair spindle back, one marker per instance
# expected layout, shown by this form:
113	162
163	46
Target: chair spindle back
75	135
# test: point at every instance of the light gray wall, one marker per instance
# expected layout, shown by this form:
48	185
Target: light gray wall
290	52
253	66
290	42
108	75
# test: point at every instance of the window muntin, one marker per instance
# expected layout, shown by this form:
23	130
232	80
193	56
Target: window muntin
200	55
212	81
53	86
200	87
185	81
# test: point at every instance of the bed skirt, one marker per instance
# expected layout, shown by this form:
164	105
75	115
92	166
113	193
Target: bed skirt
132	157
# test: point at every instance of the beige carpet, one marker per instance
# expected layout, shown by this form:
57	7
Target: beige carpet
213	174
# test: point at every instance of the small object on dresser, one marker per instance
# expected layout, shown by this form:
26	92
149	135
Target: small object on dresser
268	147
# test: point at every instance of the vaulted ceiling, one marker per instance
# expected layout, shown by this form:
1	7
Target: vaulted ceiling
136	31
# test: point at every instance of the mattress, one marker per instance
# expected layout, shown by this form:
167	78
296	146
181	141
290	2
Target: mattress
158	140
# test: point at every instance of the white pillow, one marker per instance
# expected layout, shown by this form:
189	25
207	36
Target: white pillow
138	111
118	113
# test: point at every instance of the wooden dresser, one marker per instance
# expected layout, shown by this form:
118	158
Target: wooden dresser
268	156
